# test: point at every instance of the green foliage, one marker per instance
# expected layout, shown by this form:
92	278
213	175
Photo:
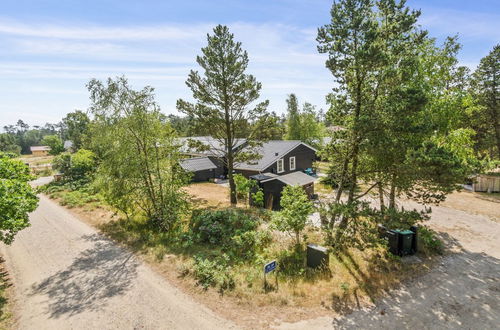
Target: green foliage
295	210
399	101
303	125
138	152
349	225
233	230
76	127
54	142
8	143
214	273
224	95
401	219
292	262
20	137
258	198
243	186
428	241
486	119
78	167
17	198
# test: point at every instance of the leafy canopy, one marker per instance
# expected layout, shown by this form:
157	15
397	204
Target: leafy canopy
295	210
17	198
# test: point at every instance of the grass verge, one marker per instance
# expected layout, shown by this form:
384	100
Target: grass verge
6	319
233	285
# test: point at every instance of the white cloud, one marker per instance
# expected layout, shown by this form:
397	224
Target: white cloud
52	63
94	32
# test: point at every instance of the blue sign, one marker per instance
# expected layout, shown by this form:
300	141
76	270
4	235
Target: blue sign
270	267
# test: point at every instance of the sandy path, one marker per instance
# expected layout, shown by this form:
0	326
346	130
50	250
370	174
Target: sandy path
66	276
463	292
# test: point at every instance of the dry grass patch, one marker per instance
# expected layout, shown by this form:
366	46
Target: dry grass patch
207	194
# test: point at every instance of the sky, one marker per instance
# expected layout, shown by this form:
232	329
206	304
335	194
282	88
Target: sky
50	49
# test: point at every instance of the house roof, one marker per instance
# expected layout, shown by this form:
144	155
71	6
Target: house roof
216	148
297	178
197	164
40	148
270	151
263	176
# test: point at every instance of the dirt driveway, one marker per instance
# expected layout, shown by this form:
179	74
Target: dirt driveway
463	292
67	276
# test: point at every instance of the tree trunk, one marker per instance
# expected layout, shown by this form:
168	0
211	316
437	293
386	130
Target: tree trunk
232	185
381	197
392	196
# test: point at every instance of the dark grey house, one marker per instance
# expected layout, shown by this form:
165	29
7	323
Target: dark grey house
272	186
277	157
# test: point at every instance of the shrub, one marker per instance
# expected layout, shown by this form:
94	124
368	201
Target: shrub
233	230
243	186
258	198
291	262
429	242
214	273
77	167
218	226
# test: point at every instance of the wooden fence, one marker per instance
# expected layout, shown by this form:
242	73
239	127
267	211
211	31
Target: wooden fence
486	183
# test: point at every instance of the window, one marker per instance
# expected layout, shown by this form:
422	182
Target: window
281	165
292	163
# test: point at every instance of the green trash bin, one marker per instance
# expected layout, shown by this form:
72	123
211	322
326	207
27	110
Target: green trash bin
405	241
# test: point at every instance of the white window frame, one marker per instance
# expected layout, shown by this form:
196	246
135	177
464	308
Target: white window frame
290	163
282	161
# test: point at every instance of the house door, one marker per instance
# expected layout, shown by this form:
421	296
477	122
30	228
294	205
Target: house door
269	201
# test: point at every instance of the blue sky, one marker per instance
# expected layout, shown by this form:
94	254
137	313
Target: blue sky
50	49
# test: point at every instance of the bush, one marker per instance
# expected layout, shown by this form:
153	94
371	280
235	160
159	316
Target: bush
218	226
429	243
233	230
77	167
292	262
258	198
214	273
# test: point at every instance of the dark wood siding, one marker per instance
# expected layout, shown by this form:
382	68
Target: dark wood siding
304	158
204	175
272	193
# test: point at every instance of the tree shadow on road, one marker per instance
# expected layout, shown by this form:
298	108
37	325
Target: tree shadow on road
103	271
463	291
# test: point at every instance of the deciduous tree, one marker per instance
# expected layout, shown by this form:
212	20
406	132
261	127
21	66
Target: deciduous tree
295	210
17	198
139	155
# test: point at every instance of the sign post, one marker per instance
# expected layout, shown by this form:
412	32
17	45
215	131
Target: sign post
268	268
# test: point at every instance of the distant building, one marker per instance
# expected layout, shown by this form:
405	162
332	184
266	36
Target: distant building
40	150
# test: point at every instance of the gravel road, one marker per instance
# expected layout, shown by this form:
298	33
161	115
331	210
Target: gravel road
463	292
67	276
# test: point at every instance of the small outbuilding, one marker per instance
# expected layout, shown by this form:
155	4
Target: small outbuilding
489	183
40	150
202	168
272	186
